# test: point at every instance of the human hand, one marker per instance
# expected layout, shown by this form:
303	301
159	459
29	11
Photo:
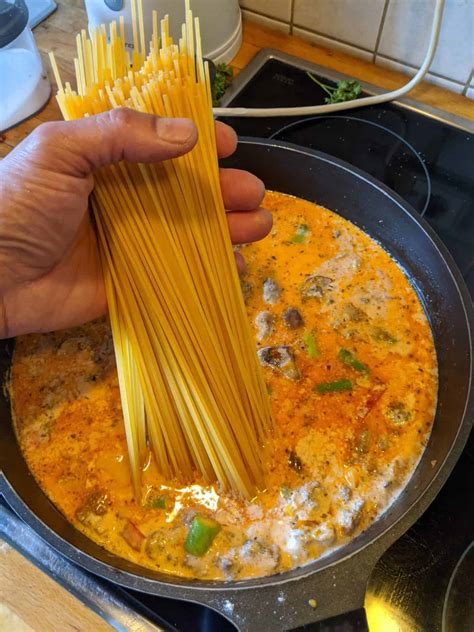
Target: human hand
50	273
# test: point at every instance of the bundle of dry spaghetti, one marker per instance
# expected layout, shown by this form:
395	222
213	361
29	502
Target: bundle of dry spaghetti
190	383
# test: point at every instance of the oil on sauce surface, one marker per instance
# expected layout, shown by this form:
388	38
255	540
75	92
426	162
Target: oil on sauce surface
350	365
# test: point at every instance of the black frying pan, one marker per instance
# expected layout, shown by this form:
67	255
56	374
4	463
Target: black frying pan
338	581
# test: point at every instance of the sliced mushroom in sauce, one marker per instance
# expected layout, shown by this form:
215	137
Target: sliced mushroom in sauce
271	291
280	359
264	322
354	313
292	318
93	508
316	286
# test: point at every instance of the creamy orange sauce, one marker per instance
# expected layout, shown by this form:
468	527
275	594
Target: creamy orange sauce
332	308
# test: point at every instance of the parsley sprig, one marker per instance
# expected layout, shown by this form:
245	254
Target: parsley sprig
345	90
221	82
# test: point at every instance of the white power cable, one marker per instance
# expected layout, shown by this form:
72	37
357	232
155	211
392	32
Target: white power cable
355	103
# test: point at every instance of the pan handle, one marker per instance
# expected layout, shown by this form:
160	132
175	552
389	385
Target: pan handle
328	600
354	621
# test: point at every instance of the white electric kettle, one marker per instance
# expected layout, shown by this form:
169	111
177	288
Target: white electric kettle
221	24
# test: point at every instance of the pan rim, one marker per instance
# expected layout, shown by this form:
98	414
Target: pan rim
400	523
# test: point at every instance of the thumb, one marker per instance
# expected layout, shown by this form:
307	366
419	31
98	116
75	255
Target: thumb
78	147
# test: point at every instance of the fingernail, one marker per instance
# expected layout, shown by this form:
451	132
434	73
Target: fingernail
175	130
266	218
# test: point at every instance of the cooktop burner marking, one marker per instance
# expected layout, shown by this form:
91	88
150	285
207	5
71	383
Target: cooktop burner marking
294	124
457	607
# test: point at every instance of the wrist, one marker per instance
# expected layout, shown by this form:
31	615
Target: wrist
3	320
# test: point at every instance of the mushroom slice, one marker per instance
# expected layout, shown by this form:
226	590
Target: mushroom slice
280	359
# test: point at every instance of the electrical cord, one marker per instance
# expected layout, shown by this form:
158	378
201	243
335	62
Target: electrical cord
355	103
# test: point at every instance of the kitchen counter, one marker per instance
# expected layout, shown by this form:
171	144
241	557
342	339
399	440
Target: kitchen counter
30	601
57	34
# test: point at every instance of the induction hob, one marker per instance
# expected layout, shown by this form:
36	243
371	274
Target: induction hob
424	582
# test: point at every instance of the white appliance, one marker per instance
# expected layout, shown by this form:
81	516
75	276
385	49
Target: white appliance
24	86
39	10
220	21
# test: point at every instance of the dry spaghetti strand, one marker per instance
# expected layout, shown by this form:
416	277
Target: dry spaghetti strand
190	383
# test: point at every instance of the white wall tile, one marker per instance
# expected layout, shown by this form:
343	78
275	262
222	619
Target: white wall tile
406	33
353	21
410	71
279	9
470	93
268	22
326	42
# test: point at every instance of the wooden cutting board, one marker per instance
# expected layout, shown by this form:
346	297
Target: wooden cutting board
30	601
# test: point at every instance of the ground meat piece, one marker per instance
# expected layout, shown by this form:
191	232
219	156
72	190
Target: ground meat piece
325	533
246	288
159	543
96	502
271	291
264	322
104	352
93	508
295	462
316	286
70	346
267	555
280	359
293	318
225	563
362	441
398	413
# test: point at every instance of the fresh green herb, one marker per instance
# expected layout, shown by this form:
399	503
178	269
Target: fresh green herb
382	335
158	502
345	90
311	345
349	358
301	235
334	387
155	500
221	82
285	492
201	535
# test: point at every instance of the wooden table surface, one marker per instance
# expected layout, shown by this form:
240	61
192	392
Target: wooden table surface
57	34
30	601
